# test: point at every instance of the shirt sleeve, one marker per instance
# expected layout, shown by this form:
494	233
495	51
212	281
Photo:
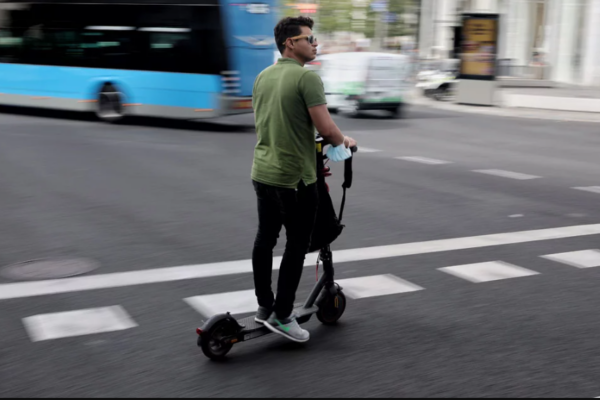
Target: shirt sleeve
312	89
254	92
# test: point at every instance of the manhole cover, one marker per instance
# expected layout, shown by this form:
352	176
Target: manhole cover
48	269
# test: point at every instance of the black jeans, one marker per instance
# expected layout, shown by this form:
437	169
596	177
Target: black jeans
296	210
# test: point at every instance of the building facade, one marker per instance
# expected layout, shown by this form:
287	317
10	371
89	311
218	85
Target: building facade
562	34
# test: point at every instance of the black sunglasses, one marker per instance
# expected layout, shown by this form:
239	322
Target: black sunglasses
311	39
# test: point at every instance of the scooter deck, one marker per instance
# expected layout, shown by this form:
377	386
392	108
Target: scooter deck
252	329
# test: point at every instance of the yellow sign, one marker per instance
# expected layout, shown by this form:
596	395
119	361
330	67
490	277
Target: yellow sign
479	46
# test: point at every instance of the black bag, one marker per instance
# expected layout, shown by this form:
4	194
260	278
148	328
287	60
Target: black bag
328	227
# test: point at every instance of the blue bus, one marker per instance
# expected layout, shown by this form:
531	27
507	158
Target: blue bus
187	59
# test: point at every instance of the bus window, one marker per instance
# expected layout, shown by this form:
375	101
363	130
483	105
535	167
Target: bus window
107	35
169	51
67	47
182	39
38	46
11	46
209	39
108	47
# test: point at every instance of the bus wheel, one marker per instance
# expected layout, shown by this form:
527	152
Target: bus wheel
110	105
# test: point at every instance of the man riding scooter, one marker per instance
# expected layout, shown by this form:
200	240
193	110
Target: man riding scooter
289	102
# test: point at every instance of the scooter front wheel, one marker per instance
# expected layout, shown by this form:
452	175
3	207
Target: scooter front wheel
216	342
332	308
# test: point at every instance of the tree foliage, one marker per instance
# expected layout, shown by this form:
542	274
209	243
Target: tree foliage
339	16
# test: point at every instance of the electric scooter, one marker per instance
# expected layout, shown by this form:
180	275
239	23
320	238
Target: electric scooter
327	301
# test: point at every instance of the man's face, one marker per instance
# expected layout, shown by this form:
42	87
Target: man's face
302	47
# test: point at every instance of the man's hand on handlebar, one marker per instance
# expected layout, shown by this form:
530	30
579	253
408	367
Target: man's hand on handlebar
349	142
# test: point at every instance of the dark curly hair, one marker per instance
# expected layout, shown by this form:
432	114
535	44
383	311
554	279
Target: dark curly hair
290	27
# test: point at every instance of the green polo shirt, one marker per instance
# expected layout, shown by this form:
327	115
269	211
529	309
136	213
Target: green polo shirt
285	152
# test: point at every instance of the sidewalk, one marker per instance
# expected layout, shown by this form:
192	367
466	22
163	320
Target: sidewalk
561	103
560	98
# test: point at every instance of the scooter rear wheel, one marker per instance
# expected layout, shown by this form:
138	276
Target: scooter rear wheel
213	343
332	308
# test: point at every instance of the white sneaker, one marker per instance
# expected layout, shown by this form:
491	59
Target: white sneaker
288	328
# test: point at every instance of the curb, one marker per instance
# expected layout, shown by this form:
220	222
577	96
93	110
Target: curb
528	113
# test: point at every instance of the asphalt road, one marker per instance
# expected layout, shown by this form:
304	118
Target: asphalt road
151	195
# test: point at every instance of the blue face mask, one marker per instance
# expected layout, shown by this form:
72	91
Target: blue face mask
339	153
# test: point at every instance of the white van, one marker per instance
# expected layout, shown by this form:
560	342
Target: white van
365	81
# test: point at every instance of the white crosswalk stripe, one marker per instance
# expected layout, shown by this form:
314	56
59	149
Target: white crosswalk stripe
579	259
488	271
507	174
424	160
233	302
368	150
375	286
591	189
77	323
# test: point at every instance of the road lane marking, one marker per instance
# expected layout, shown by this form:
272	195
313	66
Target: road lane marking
488	271
591	189
368	150
376	286
233	302
579	259
424	160
77	323
506	174
174	274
